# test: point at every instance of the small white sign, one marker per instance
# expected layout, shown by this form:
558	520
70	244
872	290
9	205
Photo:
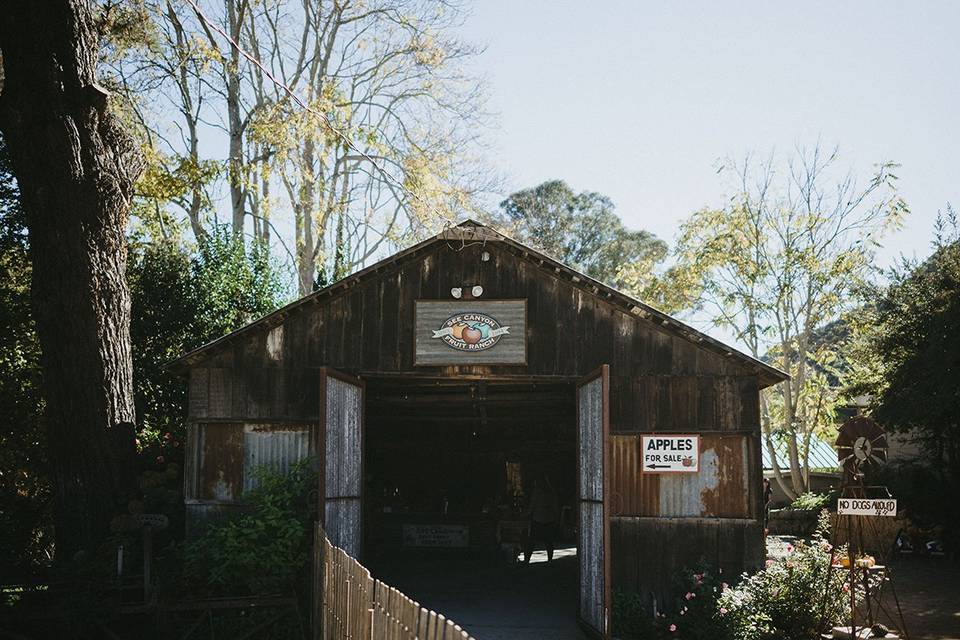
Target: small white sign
866	507
663	453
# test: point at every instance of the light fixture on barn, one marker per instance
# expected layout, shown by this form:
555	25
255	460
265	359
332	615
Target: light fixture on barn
456	292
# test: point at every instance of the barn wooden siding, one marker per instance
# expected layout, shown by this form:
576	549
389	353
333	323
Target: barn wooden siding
660	381
662	378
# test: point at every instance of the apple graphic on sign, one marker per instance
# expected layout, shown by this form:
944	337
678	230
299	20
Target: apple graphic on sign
688	461
472	335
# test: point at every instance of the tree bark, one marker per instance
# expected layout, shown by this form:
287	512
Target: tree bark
76	168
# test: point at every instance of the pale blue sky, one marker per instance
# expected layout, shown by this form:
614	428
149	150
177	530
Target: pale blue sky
640	100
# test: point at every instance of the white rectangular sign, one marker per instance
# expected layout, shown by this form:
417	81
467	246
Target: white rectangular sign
669	453
866	507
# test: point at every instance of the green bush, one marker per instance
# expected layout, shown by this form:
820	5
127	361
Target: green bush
790	598
266	550
691	617
813	501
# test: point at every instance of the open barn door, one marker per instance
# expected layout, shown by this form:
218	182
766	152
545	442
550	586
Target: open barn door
339	449
593	436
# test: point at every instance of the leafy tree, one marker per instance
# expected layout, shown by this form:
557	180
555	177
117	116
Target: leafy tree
581	230
181	302
380	153
910	357
782	259
25	532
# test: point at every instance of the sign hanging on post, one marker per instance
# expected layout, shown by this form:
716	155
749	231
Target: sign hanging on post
669	453
866	507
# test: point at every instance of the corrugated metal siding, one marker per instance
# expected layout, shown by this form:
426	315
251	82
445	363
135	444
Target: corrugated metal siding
719	490
823	457
344	459
276	446
591	548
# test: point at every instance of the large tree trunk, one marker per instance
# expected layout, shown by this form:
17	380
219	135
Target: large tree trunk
76	168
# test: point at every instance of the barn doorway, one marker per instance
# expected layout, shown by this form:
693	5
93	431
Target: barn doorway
449	470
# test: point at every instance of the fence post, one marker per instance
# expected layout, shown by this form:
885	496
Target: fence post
318	595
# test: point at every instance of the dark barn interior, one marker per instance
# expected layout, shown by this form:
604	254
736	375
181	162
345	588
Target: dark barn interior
449	467
465	453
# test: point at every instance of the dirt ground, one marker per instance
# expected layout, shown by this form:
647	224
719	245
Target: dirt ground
929	591
489	599
928	588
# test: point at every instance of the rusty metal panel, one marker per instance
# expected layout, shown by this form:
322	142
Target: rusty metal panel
221	461
721	489
278	446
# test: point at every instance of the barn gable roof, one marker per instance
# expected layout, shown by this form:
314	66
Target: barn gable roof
471	231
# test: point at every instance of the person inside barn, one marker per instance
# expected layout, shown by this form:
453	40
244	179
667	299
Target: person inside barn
544	516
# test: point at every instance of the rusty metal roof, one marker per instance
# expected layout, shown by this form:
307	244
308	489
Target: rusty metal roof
473	231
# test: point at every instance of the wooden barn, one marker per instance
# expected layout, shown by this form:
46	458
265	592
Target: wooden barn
435	387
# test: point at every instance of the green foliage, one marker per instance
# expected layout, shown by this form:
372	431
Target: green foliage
914	335
581	230
181	302
810	501
25	513
790	598
780	260
265	550
630	619
692	616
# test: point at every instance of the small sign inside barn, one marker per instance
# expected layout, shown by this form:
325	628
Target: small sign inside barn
452	332
670	453
436	535
866	507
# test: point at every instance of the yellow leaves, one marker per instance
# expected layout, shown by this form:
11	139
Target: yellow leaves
168	177
427	178
427	51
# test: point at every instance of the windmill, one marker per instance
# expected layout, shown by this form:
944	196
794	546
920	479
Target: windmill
861	446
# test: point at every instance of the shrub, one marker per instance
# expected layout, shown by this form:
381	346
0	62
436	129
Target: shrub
266	550
790	598
813	501
691	617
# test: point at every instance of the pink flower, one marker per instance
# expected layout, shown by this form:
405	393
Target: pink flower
846	587
770	563
722	610
724	586
690	595
673	627
789	548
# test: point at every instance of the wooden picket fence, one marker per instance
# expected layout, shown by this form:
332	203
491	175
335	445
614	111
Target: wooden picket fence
350	605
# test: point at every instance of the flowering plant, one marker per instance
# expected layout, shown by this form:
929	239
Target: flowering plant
791	597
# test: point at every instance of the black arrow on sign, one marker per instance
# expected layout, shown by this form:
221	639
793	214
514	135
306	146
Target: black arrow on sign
658	466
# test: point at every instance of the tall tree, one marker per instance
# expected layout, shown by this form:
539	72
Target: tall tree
581	230
76	167
908	349
779	261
